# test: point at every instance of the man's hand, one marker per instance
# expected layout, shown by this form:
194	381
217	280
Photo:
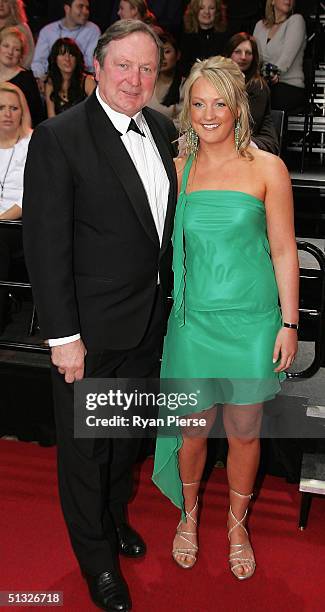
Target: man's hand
69	359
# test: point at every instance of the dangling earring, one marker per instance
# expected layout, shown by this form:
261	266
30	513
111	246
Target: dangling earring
191	141
237	130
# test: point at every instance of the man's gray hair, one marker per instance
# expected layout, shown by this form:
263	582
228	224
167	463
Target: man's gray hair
121	29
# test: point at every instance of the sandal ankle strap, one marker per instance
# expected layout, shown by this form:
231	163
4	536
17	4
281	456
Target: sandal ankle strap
189	514
190	484
250	495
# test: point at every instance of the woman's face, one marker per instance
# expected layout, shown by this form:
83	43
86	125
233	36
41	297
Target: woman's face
4	9
284	6
10	112
169	59
206	14
126	11
66	62
10	51
243	55
210	116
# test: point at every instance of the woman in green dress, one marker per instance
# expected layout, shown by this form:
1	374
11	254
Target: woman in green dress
234	256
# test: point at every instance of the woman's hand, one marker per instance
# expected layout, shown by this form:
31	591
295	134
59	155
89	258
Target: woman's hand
274	80
285	348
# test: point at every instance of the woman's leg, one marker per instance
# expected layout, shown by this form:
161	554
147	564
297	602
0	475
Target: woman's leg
242	425
192	458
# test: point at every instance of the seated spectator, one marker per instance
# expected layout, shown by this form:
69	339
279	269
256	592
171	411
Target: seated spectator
12	45
205	36
15	133
67	82
12	13
168	13
136	9
74	25
281	39
166	95
242	49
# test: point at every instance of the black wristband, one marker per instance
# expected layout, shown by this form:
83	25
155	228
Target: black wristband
291	325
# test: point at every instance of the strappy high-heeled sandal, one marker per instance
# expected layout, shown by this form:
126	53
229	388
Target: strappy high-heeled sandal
192	549
238	558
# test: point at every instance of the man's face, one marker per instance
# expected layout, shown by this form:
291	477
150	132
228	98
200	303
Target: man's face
78	12
128	77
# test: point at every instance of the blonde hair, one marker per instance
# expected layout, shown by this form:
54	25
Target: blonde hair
269	19
26	122
17	13
228	80
18	34
191	21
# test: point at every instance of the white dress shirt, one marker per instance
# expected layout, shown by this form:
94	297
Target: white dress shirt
148	163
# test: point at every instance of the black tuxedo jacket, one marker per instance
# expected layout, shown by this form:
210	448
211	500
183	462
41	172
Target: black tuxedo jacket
90	241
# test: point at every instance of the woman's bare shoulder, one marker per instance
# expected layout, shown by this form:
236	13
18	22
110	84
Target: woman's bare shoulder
268	165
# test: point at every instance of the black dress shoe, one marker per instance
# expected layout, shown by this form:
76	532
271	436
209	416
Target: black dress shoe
129	541
109	591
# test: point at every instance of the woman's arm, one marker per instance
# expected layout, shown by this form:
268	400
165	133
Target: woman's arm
281	234
264	134
90	84
12	214
295	36
49	103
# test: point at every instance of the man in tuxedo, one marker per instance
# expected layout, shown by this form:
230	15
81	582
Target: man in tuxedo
99	197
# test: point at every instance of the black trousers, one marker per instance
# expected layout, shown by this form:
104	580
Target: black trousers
287	97
95	476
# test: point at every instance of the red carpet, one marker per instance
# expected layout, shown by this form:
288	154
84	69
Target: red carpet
36	555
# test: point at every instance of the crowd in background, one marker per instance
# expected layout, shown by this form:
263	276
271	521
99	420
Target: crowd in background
46	50
194	29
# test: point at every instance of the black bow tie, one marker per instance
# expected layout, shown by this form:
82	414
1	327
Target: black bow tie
135	128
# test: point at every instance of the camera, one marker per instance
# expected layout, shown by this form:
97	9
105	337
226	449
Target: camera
269	71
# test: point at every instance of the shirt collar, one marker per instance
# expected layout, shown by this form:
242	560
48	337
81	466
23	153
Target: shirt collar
121	122
64	27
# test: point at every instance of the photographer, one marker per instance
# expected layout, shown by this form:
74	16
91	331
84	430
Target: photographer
281	39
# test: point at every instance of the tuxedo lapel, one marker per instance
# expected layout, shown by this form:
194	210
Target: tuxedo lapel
164	151
108	141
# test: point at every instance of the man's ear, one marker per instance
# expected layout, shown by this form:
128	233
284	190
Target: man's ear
97	69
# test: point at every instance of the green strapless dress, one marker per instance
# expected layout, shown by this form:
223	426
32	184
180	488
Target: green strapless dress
225	316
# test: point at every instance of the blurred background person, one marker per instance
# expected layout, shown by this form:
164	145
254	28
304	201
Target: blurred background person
168	14
12	13
281	39
242	49
167	91
15	133
204	32
12	46
74	25
136	9
67	82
